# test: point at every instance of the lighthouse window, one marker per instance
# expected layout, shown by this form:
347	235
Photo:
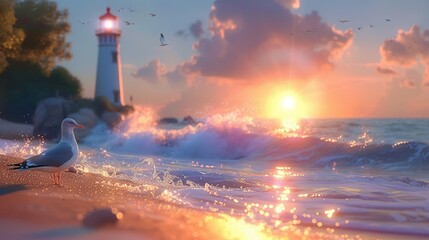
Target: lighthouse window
115	56
116	96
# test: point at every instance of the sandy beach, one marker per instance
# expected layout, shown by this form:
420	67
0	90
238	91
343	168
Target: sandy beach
12	130
34	208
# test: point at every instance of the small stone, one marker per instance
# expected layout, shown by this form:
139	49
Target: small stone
101	217
72	170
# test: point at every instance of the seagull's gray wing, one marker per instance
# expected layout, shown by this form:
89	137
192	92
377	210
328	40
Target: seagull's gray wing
53	157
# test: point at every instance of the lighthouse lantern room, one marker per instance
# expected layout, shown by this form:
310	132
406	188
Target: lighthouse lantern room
109	74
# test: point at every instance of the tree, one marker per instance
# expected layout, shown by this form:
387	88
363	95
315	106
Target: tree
21	91
10	37
45	30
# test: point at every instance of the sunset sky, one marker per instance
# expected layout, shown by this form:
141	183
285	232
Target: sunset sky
264	58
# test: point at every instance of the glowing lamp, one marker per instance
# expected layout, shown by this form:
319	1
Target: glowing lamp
107	24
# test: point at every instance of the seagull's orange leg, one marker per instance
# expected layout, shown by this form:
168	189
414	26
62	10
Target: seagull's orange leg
53	178
59	183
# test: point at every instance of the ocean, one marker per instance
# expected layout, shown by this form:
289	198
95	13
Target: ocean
315	176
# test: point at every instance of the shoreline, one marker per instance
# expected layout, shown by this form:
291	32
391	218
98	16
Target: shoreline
34	208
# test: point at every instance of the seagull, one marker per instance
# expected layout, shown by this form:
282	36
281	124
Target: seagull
152	14
56	158
82	22
128	23
344	21
162	40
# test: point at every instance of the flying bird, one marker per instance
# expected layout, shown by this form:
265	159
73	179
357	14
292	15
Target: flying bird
359	28
82	22
56	158
344	21
152	14
128	23
387	20
371	26
162	40
131	10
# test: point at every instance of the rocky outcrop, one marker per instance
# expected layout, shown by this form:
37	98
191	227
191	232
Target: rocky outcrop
188	120
49	114
168	120
87	118
111	118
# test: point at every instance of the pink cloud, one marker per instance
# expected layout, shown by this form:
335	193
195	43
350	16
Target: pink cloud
407	49
196	29
252	38
387	71
151	72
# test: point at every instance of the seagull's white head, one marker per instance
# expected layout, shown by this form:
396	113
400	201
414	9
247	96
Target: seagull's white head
70	123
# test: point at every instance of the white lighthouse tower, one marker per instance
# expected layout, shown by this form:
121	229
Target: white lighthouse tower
109	71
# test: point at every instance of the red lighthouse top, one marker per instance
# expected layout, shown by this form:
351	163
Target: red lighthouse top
108	15
108	24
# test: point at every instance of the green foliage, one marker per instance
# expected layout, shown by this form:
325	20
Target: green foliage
100	105
10	37
45	30
24	84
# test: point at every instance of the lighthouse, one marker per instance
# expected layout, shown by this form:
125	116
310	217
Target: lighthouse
109	72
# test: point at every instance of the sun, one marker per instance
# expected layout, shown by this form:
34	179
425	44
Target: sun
288	102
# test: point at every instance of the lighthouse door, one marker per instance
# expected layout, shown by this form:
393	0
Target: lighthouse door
116	96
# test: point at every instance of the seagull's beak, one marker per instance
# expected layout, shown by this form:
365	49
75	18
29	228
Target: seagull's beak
79	126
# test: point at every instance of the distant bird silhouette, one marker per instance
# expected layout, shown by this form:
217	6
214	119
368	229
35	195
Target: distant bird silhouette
344	21
128	23
82	22
387	20
394	38
131	10
371	26
152	14
162	40
120	9
359	28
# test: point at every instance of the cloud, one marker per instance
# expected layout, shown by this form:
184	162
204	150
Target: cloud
387	71
253	39
152	72
196	29
177	77
407	49
289	3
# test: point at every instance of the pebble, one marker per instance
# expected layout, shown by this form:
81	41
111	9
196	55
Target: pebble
101	217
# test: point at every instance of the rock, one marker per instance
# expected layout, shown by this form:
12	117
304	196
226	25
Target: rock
49	114
111	118
87	118
72	170
101	217
168	120
188	120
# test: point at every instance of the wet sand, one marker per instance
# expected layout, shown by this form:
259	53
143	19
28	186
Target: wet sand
32	207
